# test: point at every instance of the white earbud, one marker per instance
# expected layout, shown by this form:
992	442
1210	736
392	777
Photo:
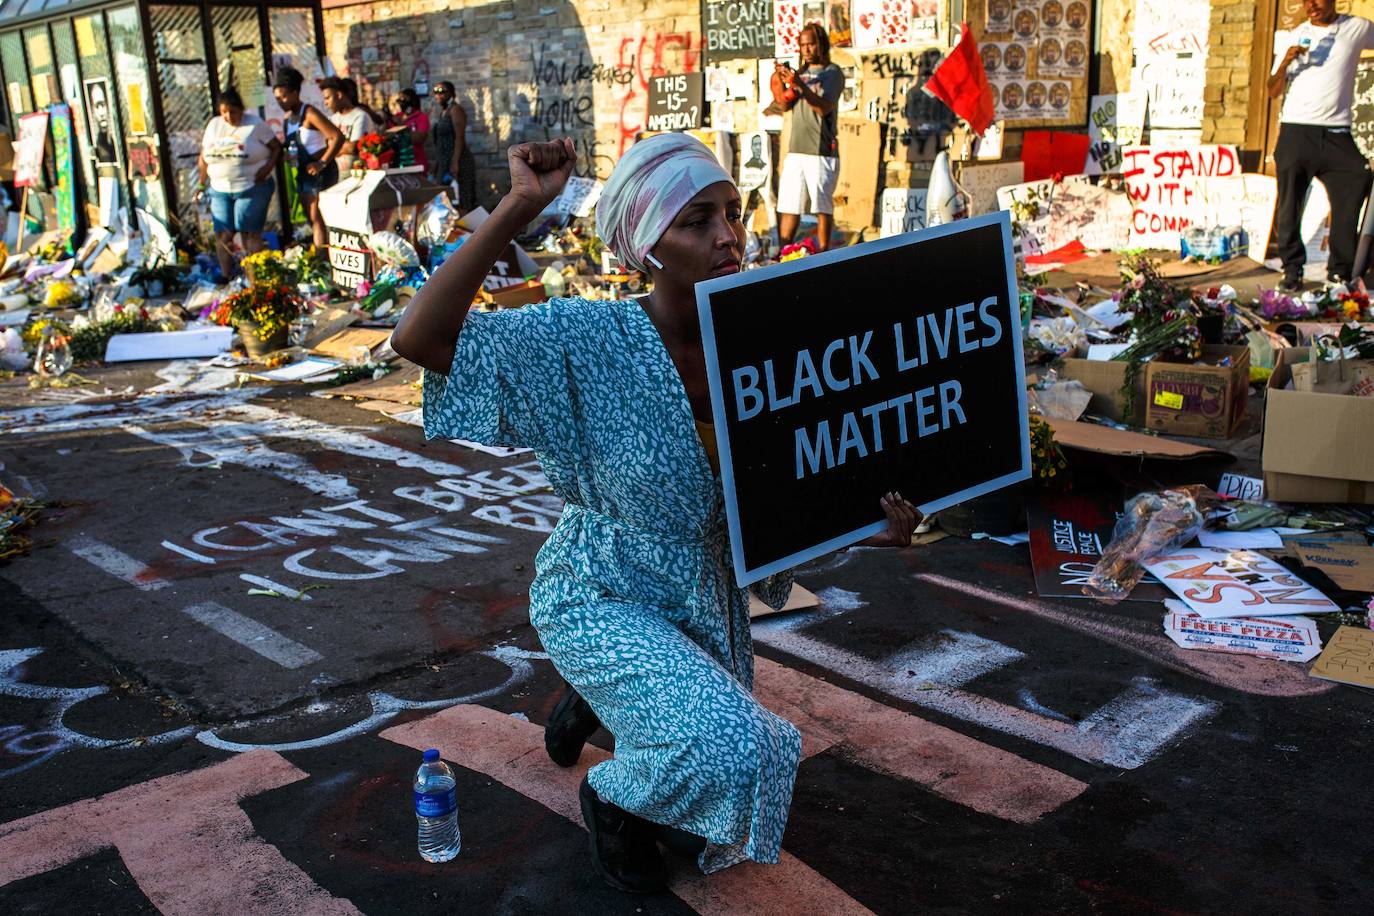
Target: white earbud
654	261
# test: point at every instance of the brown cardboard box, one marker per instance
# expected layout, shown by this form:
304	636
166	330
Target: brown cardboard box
1207	401
1316	446
510	297
856	188
1105	379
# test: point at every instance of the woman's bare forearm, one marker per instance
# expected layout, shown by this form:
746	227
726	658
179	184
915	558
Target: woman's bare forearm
428	331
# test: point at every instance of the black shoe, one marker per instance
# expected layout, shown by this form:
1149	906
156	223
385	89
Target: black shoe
1291	283
571	724
624	853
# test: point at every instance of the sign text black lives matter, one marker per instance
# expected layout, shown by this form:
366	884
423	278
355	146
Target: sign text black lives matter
892	365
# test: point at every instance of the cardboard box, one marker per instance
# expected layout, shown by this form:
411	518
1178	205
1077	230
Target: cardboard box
1206	401
856	187
1105	379
1316	446
510	297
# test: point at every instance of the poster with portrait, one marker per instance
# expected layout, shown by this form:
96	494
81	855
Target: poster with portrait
1004	61
1025	24
1052	18
1011	101
100	121
1075	61
1049	59
755	160
998	21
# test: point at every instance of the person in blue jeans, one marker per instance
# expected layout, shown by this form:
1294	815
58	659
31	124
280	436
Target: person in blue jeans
238	155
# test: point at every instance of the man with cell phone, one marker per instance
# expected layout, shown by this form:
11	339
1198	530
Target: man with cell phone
812	166
1316	76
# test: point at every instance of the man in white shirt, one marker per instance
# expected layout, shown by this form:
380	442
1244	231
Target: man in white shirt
1318	71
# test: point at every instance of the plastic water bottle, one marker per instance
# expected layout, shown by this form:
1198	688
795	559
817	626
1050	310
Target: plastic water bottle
436	808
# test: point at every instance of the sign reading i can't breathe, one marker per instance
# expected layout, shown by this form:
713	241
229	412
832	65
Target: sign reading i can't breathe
892	365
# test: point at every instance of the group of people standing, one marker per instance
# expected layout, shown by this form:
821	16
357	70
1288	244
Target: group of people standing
240	152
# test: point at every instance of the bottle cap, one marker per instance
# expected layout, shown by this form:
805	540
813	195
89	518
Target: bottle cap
431	755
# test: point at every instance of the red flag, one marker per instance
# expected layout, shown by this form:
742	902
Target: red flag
961	83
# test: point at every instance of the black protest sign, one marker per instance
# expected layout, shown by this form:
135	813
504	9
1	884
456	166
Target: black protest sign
737	29
1363	108
892	365
350	261
1068	532
676	102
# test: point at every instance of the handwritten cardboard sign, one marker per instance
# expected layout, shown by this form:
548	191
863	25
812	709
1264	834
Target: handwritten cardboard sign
737	29
1348	658
891	365
676	101
903	210
1115	121
1237	486
29	148
1163	186
1216	582
1293	639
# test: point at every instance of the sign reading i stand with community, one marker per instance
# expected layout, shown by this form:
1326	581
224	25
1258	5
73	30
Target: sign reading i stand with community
892	365
676	101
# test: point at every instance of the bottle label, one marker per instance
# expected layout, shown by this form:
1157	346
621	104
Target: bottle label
436	804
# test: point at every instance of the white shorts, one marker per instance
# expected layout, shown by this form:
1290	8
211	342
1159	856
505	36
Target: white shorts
807	184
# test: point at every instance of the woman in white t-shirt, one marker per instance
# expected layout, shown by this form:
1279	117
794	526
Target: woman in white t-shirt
237	158
351	120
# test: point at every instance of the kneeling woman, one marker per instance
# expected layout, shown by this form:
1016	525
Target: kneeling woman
634	595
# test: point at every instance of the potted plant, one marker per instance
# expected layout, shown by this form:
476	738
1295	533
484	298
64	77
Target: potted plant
262	315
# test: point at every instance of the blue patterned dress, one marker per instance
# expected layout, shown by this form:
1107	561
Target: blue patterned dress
633	595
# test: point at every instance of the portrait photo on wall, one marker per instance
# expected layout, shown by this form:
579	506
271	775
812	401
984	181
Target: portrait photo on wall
100	121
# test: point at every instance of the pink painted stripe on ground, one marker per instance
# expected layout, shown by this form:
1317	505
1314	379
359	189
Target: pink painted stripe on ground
887	740
512	751
1259	676
184	839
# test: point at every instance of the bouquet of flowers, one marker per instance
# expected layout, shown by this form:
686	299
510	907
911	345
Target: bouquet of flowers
376	150
1276	306
1152	524
1345	304
267	268
306	266
266	310
1049	467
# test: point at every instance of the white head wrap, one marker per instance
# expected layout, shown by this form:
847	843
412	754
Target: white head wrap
648	188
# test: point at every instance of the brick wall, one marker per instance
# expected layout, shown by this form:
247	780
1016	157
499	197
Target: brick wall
1227	95
524	69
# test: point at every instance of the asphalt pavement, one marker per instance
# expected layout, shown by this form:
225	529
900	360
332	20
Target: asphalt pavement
255	607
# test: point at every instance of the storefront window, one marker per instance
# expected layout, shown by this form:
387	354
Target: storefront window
179	53
238	51
18	96
133	93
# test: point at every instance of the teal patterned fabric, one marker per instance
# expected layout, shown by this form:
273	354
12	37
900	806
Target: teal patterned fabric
633	595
